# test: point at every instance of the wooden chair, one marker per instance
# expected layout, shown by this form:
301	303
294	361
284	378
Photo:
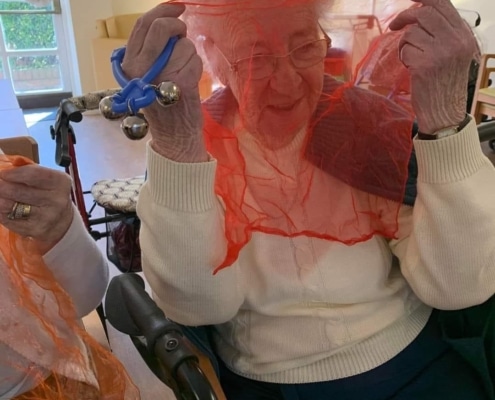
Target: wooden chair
21	146
484	96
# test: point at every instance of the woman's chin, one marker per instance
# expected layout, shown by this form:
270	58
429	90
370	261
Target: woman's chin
276	136
278	127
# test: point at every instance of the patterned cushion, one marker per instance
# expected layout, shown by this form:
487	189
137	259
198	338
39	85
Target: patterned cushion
118	194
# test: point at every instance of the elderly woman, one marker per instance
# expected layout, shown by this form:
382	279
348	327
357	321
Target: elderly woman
53	274
276	213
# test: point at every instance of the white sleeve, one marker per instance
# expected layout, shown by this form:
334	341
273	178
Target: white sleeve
446	243
79	266
182	241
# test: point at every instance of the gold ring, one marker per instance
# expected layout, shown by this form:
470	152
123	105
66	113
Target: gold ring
20	211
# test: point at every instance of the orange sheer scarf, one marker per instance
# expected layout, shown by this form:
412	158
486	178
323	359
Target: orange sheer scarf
38	322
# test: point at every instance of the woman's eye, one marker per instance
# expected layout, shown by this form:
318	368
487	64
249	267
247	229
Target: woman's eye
260	61
305	49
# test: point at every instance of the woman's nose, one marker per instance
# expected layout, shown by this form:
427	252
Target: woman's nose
285	77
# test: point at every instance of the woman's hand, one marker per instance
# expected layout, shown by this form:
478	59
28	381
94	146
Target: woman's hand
176	130
47	191
437	47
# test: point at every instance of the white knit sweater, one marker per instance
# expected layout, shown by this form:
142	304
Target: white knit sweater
303	310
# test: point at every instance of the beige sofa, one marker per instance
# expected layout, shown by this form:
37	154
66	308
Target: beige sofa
112	33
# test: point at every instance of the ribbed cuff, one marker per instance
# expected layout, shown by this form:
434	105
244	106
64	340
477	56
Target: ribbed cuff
184	187
450	159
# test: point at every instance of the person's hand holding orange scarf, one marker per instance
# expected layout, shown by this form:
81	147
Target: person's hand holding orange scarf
43	194
39	323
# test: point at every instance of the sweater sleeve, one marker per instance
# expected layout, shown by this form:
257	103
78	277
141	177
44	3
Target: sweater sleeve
79	266
446	243
182	241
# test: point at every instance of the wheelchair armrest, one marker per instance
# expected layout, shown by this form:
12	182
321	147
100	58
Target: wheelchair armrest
161	343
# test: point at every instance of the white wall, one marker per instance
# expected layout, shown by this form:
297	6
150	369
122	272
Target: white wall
133	6
486	31
79	22
80	19
486	8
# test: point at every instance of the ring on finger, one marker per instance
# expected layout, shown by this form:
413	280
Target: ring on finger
20	211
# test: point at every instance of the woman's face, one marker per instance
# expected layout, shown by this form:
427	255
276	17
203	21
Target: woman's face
276	106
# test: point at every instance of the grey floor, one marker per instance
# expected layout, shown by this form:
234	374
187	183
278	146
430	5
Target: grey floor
102	152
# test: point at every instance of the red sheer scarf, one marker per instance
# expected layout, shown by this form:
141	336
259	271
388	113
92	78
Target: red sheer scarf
349	186
342	177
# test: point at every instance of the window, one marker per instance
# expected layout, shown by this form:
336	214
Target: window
32	50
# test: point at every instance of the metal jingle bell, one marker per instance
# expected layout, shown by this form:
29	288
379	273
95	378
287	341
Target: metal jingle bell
135	127
105	107
167	93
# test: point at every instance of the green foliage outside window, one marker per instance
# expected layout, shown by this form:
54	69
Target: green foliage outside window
28	32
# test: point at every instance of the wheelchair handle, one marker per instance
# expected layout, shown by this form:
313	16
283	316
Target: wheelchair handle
190	379
131	310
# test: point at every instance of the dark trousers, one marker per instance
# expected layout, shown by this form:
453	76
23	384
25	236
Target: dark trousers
446	378
428	369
